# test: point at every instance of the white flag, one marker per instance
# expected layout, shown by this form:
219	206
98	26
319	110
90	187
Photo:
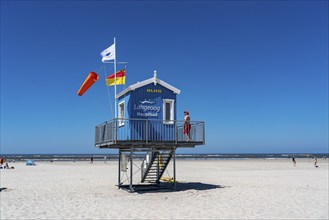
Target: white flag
108	53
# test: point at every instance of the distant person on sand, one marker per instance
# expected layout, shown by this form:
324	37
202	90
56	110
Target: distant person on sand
294	161
315	162
187	125
7	167
92	159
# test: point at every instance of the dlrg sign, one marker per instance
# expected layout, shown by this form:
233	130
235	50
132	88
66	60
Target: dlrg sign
154	90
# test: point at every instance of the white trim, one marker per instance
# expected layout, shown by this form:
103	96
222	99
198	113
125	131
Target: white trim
121	122
146	82
172	110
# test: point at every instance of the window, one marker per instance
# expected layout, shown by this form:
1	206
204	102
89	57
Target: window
121	114
168	111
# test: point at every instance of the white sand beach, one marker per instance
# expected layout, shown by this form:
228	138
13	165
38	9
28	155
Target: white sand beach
207	189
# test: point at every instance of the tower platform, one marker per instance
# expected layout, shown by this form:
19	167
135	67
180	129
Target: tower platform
144	133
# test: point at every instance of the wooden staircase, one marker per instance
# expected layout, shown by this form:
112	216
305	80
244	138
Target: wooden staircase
155	165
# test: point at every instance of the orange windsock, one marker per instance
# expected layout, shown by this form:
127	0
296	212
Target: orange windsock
89	81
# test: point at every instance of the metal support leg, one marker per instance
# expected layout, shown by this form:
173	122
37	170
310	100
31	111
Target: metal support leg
174	165
131	171
119	170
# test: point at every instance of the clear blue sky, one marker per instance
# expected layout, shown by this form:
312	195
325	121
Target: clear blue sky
255	71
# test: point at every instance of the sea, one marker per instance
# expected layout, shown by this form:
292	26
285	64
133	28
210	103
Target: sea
102	157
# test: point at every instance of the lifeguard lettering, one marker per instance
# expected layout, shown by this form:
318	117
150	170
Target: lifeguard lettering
154	90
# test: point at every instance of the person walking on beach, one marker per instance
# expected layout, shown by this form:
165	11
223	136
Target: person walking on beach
315	162
92	159
187	125
294	161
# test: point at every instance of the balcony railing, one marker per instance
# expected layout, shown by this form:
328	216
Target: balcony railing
120	131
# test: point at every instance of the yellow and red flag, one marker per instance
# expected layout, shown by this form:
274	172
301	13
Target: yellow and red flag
120	78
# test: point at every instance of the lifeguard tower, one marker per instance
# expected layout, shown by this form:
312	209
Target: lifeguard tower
147	130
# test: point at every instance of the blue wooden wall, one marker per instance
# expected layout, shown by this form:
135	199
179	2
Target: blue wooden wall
147	103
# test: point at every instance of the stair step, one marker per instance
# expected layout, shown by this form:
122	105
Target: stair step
155	171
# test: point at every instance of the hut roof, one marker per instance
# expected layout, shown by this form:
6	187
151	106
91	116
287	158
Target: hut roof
146	82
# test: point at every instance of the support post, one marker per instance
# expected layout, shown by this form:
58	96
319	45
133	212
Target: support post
131	171
174	165
119	171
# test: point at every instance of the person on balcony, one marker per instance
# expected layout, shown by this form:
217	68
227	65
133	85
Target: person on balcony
187	125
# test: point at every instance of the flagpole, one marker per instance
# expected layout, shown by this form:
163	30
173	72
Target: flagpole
115	82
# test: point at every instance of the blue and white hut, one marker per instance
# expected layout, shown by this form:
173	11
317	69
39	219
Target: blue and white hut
147	121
